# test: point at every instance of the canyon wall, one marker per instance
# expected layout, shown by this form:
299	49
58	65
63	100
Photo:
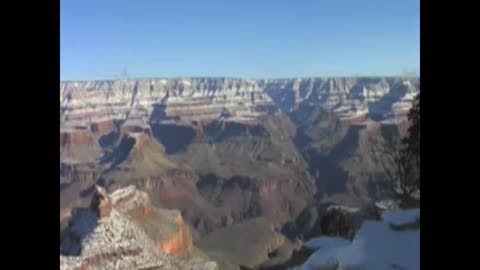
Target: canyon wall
224	150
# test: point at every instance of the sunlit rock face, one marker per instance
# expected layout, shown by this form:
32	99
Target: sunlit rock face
165	227
350	98
98	105
116	232
91	103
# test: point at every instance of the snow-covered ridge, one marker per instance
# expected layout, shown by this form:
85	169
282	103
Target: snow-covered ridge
103	237
377	246
83	103
128	198
352	97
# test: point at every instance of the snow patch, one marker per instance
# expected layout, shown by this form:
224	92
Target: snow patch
375	247
344	208
402	217
387	205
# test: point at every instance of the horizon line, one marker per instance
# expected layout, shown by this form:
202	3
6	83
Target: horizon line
241	78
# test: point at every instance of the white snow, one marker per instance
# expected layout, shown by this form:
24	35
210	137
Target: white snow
388	205
122	193
344	208
376	247
402	217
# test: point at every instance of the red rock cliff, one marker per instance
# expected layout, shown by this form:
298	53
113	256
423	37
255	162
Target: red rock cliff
181	243
166	227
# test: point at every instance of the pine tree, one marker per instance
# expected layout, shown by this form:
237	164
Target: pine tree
400	156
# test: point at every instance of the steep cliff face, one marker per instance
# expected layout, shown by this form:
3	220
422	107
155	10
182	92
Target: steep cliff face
92	104
350	98
75	179
341	155
181	243
84	103
114	233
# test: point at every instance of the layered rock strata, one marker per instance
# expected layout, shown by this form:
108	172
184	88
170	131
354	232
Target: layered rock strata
223	150
97	105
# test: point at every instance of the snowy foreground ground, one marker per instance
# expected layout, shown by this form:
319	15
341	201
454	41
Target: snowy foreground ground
379	245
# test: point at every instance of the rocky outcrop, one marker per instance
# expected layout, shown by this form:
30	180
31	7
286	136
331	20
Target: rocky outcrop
165	227
109	236
181	243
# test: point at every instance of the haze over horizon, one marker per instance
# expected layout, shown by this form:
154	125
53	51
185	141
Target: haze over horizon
246	39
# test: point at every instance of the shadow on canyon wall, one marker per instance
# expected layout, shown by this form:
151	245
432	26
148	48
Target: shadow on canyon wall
174	138
330	178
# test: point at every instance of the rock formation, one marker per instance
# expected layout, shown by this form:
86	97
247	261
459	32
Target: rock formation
166	228
87	103
223	151
351	98
114	233
97	105
101	203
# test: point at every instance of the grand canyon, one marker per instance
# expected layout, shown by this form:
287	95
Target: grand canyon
219	173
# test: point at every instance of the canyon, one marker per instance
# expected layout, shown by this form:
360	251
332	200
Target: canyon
226	158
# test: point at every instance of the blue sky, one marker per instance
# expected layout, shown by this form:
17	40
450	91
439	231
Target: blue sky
252	39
